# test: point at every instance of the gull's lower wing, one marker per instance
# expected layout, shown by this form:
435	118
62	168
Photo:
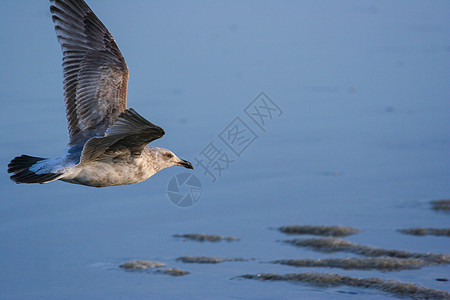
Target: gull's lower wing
95	72
128	135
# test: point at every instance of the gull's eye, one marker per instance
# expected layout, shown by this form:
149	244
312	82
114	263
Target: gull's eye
169	155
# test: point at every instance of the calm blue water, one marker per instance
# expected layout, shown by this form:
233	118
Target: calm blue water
363	141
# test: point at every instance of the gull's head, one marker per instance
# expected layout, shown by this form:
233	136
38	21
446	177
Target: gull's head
167	158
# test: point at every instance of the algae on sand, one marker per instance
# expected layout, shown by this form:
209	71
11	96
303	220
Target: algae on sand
140	264
201	237
426	231
336	245
207	259
150	266
357	263
336	231
393	287
441	205
174	272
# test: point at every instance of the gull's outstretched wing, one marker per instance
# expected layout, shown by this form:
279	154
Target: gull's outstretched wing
95	72
126	137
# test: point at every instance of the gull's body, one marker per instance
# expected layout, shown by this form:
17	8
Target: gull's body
122	169
107	141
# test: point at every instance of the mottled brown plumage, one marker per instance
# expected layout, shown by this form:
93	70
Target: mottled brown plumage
95	72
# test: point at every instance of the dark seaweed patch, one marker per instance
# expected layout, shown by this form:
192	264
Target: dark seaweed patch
393	287
426	231
336	231
174	272
146	266
441	205
336	245
200	237
356	263
140	264
207	259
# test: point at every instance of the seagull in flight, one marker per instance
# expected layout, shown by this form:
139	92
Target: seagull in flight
107	142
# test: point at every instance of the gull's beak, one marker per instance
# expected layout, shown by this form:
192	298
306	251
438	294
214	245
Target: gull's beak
186	164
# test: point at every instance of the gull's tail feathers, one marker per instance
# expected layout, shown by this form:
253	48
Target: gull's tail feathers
23	171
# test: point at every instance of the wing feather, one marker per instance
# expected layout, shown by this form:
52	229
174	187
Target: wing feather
95	72
129	134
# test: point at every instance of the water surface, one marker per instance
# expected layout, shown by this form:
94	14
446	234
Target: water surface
362	142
